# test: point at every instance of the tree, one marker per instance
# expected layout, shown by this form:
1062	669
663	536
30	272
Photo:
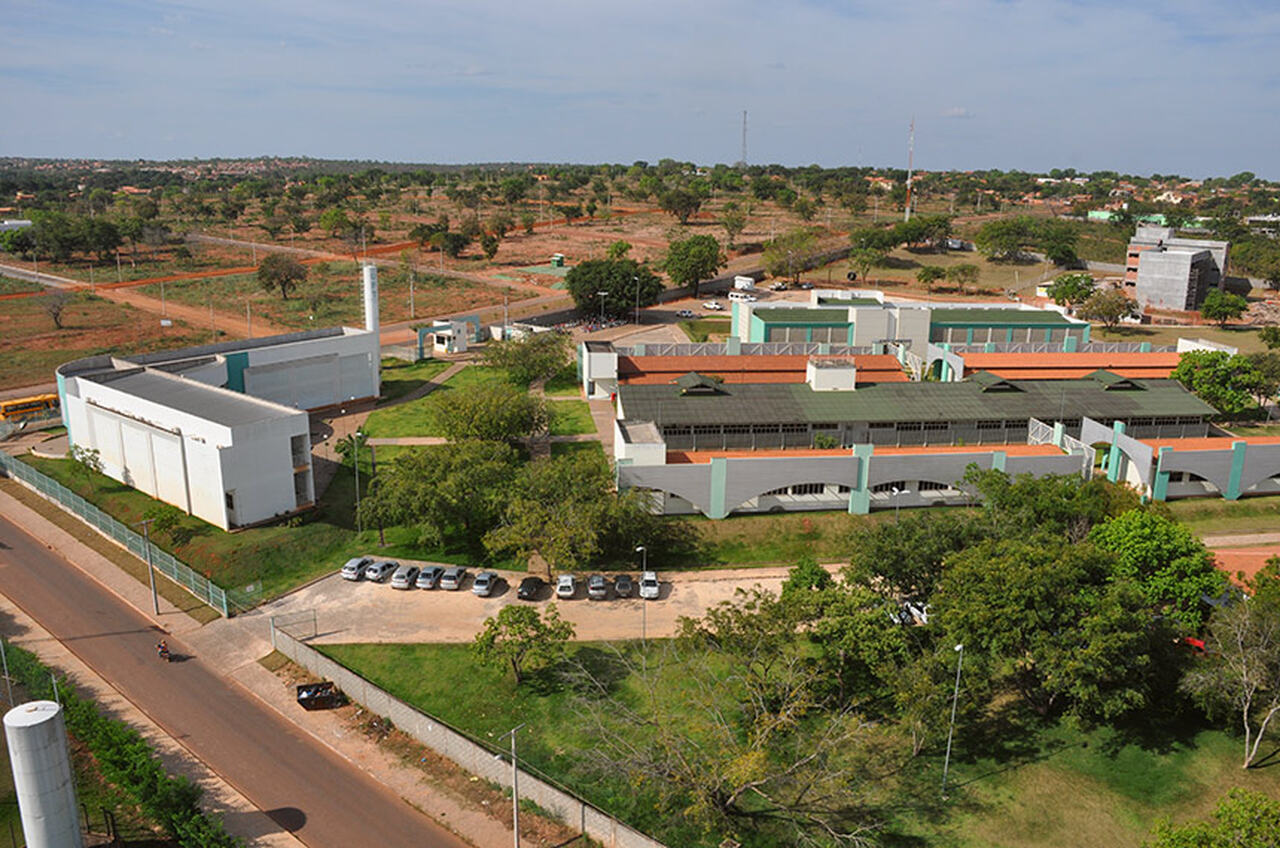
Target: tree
803	207
1242	818
930	274
538	356
963	275
863	259
497	412
281	272
1270	336
1004	238
1071	289
625	283
1109	306
518	636
618	249
1057	240
335	222
1223	306
489	244
445	491
693	260
734	221
527	220
903	559
1240	674
790	253
451	244
680	202
1060	504
1268	366
1227	382
1172	566
88	463
54	304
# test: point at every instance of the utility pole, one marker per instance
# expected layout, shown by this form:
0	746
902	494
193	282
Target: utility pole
248	318
955	697
515	784
151	572
412	313
911	149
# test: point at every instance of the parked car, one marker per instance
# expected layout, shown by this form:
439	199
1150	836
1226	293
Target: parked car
713	305
429	577
622	586
806	286
566	586
354	568
685	313
485	583
404	577
778	286
452	578
529	589
597	587
650	587
379	571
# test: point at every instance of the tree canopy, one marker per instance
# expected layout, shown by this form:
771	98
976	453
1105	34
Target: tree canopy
692	260
1223	306
537	356
1109	306
494	412
1227	382
281	272
790	253
522	638
1072	288
625	283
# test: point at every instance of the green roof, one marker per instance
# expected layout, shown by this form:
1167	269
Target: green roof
783	315
849	301
796	403
989	317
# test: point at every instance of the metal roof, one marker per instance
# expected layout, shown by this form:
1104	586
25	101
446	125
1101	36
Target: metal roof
796	403
783	315
220	406
987	317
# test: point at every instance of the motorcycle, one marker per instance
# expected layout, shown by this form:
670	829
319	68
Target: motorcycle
162	651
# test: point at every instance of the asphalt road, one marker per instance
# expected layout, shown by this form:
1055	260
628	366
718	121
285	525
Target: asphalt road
305	788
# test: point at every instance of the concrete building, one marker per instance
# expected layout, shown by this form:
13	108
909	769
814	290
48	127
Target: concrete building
1169	272
220	431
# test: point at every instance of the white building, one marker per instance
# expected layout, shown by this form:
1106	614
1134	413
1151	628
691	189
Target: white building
220	431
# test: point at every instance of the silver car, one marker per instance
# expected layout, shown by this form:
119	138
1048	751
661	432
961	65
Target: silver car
354	568
484	584
429	577
404	577
379	571
597	587
452	578
650	588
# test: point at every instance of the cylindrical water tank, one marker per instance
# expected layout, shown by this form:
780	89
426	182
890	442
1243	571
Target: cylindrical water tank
371	297
37	738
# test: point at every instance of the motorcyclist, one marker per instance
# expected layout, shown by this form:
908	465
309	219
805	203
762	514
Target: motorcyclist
162	649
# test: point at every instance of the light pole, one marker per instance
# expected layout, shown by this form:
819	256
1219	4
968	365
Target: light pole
602	295
354	440
515	784
151	572
636	279
955	698
644	608
897	501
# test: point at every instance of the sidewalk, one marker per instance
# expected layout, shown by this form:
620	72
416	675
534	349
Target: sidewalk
233	648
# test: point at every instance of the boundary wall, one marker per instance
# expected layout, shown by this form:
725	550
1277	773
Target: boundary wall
483	761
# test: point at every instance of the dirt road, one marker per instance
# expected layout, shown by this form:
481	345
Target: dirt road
303	786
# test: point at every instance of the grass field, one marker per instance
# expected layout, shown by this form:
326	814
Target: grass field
1244	338
399	378
1215	516
565	383
1042	787
415	417
570	418
11	285
572	448
703	329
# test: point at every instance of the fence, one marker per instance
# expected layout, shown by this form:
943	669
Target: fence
179	572
36	421
744	349
481	760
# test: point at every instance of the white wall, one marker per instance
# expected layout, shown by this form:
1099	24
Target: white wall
357	369
259	468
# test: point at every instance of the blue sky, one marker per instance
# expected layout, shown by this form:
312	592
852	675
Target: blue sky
1186	87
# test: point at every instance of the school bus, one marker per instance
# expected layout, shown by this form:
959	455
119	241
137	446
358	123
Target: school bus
17	409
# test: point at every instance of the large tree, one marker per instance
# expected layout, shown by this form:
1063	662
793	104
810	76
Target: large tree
680	202
1242	819
1227	382
1004	239
537	356
692	260
1071	289
790	253
523	639
625	283
1109	306
281	272
495	412
1239	678
734	220
1223	306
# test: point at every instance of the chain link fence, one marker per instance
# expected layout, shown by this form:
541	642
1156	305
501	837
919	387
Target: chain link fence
179	572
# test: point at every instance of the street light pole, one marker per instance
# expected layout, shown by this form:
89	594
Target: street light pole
644	608
602	295
955	698
636	278
515	784
897	501
151	572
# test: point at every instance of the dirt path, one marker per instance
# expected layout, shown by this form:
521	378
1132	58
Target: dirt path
233	325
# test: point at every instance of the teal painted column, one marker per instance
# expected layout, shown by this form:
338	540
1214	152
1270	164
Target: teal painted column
808	334
1238	450
1048	335
1086	333
1160	486
734	346
860	495
719	478
997	460
944	373
1114	456
1070	344
1059	430
850	334
639	346
734	320
236	363
968	336
988	347
1145	347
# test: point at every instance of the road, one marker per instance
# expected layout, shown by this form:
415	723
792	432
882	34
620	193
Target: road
304	787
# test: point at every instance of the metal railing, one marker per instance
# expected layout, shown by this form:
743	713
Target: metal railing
1038	432
179	572
35	421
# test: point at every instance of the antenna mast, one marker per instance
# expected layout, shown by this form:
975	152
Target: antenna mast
911	150
743	161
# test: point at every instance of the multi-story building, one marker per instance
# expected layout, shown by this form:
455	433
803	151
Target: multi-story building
1168	272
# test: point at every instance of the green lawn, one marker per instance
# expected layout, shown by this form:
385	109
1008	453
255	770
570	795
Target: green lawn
571	448
775	538
1246	339
399	378
1028	787
1216	516
570	418
414	418
12	285
701	329
565	383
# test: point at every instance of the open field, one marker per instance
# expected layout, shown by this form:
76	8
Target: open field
706	329
9	285
145	263
898	275
570	418
1245	338
1045	787
399	378
31	346
565	383
1205	516
415	417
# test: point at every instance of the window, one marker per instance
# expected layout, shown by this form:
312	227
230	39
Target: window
1015	423
910	426
781	491
737	429
673	430
231	501
826	426
844	490
900	485
795	428
1141	422
931	486
990	425
808	489
936	425
706	430
882	425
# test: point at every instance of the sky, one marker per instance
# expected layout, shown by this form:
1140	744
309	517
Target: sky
1183	86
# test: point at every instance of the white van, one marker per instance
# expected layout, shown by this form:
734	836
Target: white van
745	297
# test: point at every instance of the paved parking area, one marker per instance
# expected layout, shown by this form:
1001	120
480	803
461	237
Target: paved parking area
374	612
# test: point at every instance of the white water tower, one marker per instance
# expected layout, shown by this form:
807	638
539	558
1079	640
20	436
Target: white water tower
370	272
37	739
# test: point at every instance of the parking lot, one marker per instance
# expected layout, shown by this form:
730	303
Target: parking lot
374	612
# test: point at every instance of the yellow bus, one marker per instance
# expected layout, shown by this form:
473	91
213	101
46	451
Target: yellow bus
16	409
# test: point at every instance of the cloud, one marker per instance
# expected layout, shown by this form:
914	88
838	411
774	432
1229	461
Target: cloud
956	112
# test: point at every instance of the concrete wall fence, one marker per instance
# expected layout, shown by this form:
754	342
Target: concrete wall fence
488	763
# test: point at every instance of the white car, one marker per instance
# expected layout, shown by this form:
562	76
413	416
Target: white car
354	568
404	577
566	586
713	305
650	588
379	571
685	313
484	584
